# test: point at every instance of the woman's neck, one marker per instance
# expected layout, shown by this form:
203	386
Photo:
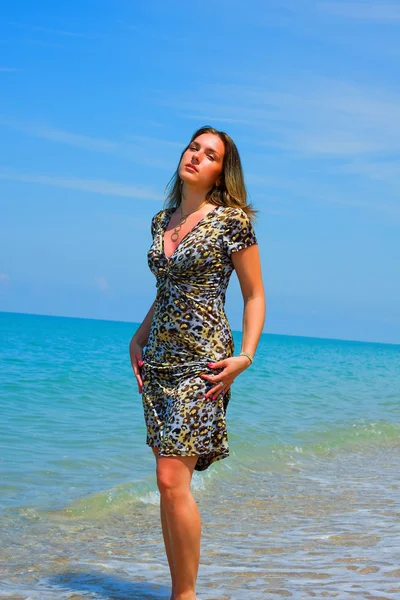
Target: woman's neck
192	200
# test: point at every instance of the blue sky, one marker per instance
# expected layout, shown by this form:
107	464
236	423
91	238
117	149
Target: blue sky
97	99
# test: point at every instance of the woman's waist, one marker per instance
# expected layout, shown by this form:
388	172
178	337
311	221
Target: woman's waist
173	349
183	313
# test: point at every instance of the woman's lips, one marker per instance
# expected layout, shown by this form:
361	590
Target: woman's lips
191	168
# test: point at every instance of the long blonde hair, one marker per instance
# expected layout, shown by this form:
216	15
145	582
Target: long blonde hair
230	192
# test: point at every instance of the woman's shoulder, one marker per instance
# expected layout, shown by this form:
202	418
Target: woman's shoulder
234	214
238	230
161	214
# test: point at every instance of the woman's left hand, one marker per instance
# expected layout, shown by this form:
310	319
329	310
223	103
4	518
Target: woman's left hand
232	367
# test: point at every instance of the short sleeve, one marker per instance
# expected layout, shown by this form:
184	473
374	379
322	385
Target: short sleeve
155	223
153	226
239	232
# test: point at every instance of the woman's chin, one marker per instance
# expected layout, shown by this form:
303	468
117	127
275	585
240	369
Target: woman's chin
188	176
190	182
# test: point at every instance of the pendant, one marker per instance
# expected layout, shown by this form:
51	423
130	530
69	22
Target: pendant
182	220
175	234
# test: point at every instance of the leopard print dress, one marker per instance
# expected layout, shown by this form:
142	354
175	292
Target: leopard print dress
190	329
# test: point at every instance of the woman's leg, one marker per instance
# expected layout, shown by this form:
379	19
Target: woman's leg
174	474
166	536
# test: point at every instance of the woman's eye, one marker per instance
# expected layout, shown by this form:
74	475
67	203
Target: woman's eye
210	156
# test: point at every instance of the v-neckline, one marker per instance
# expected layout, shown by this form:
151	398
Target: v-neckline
163	232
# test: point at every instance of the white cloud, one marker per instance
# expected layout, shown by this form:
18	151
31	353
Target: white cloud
138	149
335	143
34	43
97	186
102	284
362	11
324	192
147	140
50	30
63	137
385	171
123	220
73	139
153	152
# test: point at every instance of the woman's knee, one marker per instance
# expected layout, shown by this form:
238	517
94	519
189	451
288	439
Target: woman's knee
174	475
169	484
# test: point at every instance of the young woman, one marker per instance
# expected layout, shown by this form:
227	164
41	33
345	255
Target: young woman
182	354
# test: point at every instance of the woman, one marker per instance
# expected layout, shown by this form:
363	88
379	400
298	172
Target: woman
182	354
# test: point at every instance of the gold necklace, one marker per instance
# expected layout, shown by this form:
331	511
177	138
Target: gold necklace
182	220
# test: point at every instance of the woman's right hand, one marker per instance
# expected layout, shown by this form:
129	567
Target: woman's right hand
135	353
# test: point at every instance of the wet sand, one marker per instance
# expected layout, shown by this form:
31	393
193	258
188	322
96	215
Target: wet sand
329	531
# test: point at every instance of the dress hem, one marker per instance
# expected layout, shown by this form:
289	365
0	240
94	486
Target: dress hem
203	468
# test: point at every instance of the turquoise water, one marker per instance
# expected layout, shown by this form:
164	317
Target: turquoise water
314	432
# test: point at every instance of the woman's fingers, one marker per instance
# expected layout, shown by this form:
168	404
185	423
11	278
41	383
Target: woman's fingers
221	384
136	366
222	375
231	368
138	378
208	377
216	390
140	382
213	379
136	357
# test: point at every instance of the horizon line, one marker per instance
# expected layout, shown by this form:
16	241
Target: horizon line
307	337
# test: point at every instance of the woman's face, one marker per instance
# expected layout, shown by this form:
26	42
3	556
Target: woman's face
202	161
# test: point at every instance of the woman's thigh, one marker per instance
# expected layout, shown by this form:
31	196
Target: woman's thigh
174	471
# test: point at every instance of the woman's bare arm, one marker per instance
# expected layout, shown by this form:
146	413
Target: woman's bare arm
142	333
248	268
138	341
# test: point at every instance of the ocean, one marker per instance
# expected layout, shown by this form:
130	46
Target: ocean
307	505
